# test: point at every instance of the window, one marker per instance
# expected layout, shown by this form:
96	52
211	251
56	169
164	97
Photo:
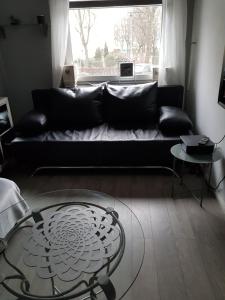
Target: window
103	37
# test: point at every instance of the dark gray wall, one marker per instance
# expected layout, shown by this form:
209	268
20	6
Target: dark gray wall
26	53
2	89
2	81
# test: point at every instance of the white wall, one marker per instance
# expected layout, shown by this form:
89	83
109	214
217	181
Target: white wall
26	53
205	73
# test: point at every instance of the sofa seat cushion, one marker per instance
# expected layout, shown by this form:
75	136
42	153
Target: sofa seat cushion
99	146
130	104
78	108
100	133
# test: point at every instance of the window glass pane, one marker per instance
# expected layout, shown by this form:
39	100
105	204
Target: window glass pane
102	38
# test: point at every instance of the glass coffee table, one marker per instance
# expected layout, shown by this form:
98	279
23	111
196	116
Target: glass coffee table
200	159
73	244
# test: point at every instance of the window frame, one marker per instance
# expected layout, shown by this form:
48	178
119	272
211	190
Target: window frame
111	3
104	4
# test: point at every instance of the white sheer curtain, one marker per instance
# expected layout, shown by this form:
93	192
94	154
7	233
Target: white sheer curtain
59	15
173	49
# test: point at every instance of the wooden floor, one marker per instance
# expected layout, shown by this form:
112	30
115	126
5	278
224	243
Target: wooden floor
185	244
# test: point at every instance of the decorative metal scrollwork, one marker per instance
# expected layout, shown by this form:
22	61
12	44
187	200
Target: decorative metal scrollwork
68	241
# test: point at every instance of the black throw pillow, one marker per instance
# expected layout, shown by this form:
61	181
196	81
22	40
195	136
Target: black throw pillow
77	108
173	120
130	104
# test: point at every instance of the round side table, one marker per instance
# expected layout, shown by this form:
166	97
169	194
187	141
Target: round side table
200	159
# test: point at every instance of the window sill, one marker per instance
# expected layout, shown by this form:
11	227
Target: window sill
115	80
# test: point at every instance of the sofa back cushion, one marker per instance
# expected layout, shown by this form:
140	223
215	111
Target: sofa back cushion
77	108
130	104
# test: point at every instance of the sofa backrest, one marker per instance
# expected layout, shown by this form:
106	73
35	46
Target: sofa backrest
170	95
41	99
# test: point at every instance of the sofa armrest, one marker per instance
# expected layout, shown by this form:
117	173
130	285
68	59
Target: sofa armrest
173	120
33	122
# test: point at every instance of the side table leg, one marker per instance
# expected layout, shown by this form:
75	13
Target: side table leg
181	173
173	180
201	192
201	195
208	184
210	175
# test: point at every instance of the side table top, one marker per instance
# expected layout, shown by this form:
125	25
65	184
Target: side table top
178	152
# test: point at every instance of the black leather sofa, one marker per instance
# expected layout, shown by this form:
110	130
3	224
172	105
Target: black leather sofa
106	125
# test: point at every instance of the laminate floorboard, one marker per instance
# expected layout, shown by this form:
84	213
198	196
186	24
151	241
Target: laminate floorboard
169	272
184	244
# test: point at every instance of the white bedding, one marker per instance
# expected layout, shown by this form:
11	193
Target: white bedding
12	206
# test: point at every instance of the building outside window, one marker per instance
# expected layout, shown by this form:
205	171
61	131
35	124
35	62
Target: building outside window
103	37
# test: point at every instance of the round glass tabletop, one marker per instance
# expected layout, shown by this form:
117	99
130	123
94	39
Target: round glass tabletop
178	152
71	241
